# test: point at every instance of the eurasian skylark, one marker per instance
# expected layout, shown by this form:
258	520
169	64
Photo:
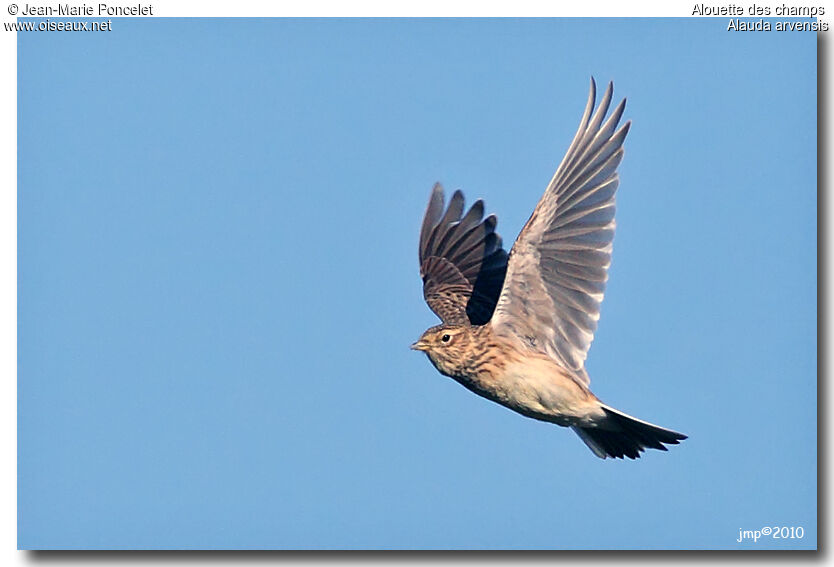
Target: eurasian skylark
517	328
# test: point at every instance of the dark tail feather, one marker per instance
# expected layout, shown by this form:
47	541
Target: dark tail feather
620	435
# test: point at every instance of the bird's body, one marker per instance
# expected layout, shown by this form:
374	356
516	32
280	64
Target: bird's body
516	328
502	371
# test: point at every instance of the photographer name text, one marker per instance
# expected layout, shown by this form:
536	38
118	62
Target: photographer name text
91	10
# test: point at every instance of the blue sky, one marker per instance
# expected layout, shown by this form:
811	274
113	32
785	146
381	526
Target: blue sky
218	284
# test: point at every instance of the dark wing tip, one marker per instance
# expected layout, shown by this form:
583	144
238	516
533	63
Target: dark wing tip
457	201
434	211
437	192
623	131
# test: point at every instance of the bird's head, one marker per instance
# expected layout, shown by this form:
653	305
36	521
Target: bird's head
445	345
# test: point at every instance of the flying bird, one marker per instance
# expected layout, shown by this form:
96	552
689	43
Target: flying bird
516	328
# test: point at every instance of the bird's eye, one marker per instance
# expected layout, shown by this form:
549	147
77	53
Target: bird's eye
446	338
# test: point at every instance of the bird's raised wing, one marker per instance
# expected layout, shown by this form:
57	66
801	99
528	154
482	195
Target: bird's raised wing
559	263
462	261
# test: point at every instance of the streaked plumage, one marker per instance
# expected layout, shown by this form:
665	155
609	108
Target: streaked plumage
517	328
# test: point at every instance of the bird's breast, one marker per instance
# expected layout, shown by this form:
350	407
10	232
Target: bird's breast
535	387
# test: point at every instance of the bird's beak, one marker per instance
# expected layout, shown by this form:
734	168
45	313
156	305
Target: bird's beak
419	345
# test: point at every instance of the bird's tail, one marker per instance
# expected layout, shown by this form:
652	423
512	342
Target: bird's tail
619	435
